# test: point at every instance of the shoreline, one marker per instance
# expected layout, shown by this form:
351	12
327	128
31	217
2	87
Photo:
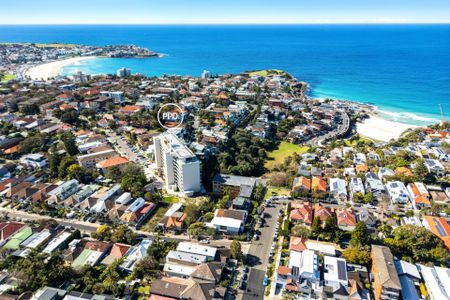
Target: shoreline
48	70
381	129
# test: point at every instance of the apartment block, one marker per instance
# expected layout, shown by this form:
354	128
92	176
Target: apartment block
178	165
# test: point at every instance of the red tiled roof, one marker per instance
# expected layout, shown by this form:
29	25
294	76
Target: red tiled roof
302	213
9	228
319	184
119	250
113	161
346	217
297	244
282	270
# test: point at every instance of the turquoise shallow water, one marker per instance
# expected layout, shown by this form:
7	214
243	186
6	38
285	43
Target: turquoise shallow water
404	70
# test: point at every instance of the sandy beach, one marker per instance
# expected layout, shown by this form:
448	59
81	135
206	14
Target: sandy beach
381	129
49	70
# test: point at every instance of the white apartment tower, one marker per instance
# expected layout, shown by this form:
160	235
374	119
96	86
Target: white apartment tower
179	166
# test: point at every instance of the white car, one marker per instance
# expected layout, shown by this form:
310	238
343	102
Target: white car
204	241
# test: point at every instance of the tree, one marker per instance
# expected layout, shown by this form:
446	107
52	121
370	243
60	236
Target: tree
315	227
64	165
193	212
301	231
30	109
133	180
159	249
32	143
416	244
357	255
123	234
223	202
358	197
79	173
236	250
146	267
368	198
420	170
258	193
359	235
38	269
199	229
70	116
69	143
54	159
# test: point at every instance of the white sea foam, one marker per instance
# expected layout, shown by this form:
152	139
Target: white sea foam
406	116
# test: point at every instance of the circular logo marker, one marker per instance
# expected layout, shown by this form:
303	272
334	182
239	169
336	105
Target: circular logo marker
170	116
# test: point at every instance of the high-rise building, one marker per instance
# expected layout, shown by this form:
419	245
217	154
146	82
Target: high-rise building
179	166
123	72
205	74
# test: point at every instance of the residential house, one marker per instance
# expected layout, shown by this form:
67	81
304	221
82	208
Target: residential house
135	254
301	213
301	184
335	278
346	219
436	281
386	284
409	279
229	221
435	166
397	192
338	189
322	212
439	227
419	195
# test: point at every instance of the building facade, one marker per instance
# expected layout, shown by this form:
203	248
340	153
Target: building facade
178	165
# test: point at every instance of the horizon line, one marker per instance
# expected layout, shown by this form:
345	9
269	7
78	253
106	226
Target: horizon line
230	24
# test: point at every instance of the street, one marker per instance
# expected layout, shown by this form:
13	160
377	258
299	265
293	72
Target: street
258	255
340	130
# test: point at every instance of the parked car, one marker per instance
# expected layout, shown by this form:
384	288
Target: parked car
266	280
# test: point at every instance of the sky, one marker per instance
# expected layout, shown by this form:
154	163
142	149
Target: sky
223	11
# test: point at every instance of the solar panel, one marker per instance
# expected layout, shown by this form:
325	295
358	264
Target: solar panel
439	228
342	270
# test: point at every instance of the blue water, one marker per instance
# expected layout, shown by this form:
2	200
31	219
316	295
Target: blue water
402	69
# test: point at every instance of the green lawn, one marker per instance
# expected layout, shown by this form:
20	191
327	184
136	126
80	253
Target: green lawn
170	199
284	150
355	142
8	77
277	191
266	72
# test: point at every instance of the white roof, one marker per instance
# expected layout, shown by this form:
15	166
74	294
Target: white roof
335	270
135	253
320	247
173	209
437	280
179	269
187	257
197	249
125	198
295	259
309	266
93	257
56	242
228	222
36	239
404	267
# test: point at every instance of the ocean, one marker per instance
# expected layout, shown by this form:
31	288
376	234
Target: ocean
403	70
